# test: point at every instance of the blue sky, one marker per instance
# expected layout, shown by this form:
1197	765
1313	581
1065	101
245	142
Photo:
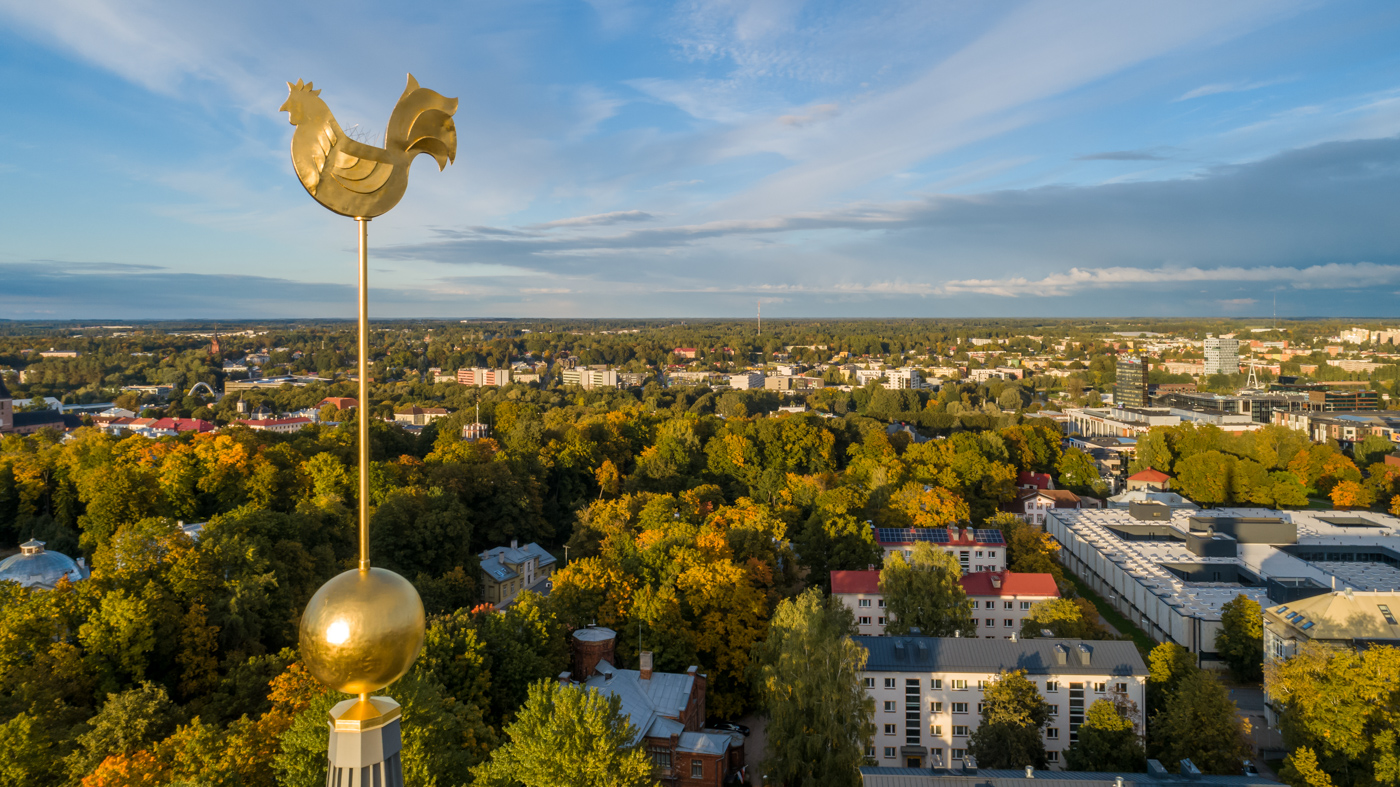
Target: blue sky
635	159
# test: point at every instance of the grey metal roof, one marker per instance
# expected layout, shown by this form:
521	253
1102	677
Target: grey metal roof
970	654
39	568
514	556
986	777
665	694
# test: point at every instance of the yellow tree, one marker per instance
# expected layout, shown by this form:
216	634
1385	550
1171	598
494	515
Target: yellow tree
929	506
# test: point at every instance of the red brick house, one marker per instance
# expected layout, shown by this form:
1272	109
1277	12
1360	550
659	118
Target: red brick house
668	710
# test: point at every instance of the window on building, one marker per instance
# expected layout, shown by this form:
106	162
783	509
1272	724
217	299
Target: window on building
1052	756
1121	688
979	553
981	706
1076	710
989	605
913	701
870	752
891	729
880	603
1385	610
1008	623
661	758
889	683
959	730
1008	604
1099	688
935	707
1054	710
937	730
881	620
865	620
992	553
697	769
959	754
991	622
1052	685
959	685
889	752
890	706
1025	605
936	684
865	602
870	683
960	707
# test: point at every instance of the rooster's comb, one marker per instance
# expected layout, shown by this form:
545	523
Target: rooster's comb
303	86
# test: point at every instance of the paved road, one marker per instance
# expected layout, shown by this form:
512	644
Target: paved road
754	745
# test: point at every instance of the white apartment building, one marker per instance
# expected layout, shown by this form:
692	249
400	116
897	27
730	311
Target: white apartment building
897	379
928	690
481	376
999	600
746	381
976	549
1222	355
588	379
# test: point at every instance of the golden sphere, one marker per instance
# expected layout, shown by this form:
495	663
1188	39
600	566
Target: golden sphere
362	630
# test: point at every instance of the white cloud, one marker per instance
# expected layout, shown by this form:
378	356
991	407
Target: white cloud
1333	276
1228	87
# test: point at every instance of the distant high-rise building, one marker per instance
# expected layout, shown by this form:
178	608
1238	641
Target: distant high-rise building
1222	355
1130	389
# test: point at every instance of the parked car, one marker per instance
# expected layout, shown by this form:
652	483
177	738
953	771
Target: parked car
731	727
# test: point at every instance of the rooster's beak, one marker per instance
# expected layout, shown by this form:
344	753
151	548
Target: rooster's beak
286	106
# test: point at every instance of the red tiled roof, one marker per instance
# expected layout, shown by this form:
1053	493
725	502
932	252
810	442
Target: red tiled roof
855	582
1012	584
1037	480
1150	475
340	402
183	425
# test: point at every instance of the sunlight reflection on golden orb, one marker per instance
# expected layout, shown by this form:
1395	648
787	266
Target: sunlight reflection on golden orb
362	630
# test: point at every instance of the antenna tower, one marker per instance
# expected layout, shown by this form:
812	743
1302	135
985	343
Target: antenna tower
760	318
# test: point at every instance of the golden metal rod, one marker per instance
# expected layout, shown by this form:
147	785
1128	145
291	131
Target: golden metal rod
364	393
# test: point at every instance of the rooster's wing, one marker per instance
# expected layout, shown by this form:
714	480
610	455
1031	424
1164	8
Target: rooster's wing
357	167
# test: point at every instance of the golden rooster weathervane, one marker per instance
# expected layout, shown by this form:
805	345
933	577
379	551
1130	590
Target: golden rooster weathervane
363	629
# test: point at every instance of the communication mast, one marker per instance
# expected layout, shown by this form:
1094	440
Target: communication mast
760	318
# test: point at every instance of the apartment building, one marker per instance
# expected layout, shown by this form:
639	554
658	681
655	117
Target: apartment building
1222	355
481	376
928	690
589	379
999	600
975	549
746	381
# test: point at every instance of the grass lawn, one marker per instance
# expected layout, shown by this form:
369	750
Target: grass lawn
1113	616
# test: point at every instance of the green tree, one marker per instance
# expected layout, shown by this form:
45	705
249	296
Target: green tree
808	676
1077	471
1202	724
1240	641
1013	714
1372	449
1205	477
926	593
1107	742
567	736
127	722
27	753
1339	715
1167	665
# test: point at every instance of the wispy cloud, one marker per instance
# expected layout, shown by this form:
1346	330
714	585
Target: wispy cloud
1228	87
1122	155
597	220
1336	276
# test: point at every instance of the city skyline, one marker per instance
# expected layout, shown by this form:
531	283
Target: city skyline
629	160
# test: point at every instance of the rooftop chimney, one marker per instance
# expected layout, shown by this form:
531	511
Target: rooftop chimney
1030	771
1085	654
996	580
565	678
646	665
514	544
501	558
1061	655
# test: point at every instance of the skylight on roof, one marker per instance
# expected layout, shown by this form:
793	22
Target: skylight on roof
1385	610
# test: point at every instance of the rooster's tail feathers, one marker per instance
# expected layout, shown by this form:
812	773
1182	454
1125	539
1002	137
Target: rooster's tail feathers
422	123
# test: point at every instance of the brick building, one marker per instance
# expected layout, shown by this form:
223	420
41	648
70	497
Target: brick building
667	709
